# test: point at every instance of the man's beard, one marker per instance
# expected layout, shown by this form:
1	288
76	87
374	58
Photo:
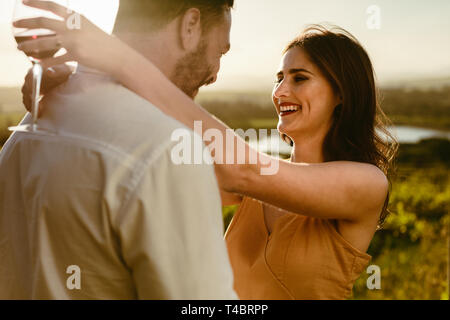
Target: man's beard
192	72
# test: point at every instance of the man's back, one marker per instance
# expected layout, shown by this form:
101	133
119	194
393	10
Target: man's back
100	211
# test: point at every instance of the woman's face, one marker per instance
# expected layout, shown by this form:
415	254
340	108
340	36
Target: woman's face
303	97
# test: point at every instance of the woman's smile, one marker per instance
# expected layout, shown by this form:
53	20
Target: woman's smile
287	108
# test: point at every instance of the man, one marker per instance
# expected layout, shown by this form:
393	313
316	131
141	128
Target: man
99	211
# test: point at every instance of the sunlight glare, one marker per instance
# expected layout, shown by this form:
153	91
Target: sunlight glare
101	12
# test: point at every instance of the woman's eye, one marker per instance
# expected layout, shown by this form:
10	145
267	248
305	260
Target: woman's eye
296	79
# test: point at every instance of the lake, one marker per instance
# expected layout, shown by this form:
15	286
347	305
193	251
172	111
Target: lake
404	134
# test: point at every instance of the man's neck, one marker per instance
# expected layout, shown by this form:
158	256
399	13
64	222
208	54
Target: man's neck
154	47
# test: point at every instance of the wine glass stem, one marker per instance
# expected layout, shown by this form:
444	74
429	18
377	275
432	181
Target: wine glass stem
37	78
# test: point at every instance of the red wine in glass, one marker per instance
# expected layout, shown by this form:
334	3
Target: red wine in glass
40	55
22	11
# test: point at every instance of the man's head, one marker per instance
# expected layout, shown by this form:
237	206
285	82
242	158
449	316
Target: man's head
184	38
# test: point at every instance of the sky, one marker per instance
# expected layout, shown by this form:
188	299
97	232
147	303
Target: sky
412	41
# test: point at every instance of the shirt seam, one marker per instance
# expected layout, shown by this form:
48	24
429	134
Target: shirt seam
84	143
280	280
346	244
135	181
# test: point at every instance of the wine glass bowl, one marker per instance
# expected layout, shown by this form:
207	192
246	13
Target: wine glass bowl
32	35
22	11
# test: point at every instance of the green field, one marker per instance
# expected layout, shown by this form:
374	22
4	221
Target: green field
412	249
7	120
420	108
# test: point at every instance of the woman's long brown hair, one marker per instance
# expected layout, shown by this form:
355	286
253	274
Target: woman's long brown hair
359	122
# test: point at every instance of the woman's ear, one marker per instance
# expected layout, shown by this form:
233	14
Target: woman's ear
338	107
337	110
339	96
190	29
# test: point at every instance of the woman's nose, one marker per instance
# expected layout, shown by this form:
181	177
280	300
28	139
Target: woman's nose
281	90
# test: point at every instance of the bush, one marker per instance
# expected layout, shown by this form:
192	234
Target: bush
7	120
412	248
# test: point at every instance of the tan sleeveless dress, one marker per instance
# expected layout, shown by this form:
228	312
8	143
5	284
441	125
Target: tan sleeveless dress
303	258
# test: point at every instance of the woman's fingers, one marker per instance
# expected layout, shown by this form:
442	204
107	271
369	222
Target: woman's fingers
26	90
50	62
59	71
51	78
41	23
51	6
26	100
42	44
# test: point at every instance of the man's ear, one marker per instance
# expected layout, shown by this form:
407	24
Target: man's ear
190	29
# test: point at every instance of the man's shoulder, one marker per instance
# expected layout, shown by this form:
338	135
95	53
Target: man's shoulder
111	102
111	114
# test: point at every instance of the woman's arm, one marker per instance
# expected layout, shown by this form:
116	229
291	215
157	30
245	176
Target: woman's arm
333	190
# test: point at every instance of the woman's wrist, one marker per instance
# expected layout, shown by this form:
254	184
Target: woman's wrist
241	175
121	64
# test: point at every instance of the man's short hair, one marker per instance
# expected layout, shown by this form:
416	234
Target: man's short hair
152	15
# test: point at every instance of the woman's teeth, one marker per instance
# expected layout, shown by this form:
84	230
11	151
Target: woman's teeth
289	108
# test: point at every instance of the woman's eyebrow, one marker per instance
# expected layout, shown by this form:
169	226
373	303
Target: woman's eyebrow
293	71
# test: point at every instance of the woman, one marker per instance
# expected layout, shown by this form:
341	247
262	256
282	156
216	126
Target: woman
302	233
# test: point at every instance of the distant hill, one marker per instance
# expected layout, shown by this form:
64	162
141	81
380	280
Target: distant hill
405	105
429	108
420	84
10	100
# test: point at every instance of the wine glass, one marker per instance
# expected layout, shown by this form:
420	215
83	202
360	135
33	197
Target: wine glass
22	11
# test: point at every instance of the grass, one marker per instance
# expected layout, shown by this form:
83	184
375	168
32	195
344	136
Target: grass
7	120
421	108
412	248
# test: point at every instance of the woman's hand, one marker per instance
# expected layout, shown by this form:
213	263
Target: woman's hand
342	190
51	78
85	43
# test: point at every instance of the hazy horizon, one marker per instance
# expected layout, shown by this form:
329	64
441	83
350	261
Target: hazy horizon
408	47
